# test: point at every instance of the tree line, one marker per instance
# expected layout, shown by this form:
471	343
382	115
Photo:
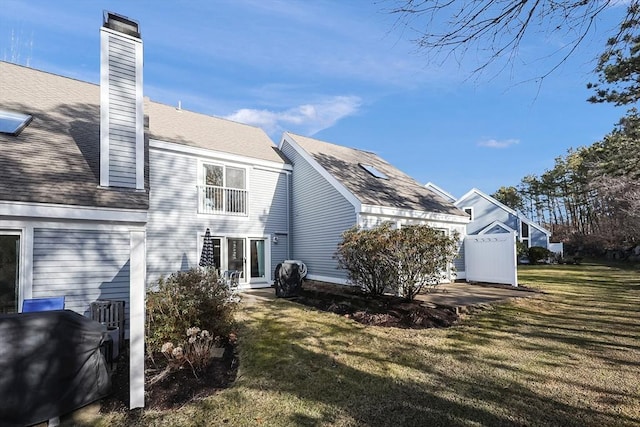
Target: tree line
591	196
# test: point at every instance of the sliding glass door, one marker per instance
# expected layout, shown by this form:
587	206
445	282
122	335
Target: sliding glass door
257	258
9	268
235	254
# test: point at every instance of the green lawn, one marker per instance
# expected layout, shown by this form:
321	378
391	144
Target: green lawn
569	357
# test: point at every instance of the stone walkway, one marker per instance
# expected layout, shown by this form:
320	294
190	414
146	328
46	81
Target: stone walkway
462	294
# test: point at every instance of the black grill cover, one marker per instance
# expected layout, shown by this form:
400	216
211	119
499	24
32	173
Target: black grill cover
50	364
287	279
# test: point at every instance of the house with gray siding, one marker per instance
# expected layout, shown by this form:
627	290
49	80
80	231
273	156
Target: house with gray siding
73	193
489	216
334	188
216	174
102	190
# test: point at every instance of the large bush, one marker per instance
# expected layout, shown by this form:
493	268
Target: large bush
402	260
363	254
422	256
539	253
187	299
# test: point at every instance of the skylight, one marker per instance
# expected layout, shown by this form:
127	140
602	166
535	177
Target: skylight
13	123
373	171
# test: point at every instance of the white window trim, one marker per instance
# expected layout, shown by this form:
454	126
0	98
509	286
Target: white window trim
247	183
527	239
473	214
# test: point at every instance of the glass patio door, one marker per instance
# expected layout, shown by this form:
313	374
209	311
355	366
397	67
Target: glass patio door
236	255
9	268
257	258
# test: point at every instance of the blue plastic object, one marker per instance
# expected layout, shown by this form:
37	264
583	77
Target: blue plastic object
42	304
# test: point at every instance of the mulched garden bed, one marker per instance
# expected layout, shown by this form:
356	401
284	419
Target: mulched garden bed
177	388
384	310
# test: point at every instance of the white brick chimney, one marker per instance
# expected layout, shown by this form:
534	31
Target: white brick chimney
121	104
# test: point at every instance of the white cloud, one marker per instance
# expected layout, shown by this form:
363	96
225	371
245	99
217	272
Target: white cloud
494	143
306	119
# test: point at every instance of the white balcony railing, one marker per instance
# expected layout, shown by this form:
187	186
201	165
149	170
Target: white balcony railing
222	200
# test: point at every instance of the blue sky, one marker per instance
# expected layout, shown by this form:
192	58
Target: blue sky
341	72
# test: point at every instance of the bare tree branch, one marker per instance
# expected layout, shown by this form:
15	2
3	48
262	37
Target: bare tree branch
495	29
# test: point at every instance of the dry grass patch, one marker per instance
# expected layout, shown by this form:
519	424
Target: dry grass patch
570	357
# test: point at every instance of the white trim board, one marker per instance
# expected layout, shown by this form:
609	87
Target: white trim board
351	198
499	224
412	214
71	212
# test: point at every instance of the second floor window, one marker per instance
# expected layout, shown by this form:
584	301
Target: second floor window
224	190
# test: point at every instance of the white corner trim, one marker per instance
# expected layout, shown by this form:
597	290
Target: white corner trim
137	289
104	107
472	216
139	118
69	212
351	198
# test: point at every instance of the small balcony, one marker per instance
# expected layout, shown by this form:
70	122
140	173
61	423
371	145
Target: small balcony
222	200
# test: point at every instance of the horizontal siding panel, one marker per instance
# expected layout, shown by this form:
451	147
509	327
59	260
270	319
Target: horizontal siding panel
122	146
121	93
124	105
121	170
174	223
122	155
119	69
122	130
122	84
81	265
117	181
121	165
320	216
117	42
122	119
121	58
121	50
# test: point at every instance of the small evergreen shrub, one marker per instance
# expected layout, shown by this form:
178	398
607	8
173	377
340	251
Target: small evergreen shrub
539	253
363	253
196	298
421	256
404	260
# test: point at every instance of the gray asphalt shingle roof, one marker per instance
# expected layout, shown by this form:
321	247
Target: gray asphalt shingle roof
56	158
167	123
399	191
